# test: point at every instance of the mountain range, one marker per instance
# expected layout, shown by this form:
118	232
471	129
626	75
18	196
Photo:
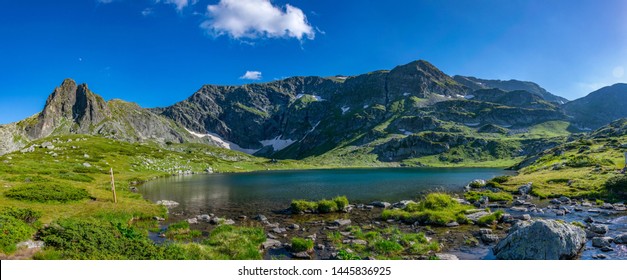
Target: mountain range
412	114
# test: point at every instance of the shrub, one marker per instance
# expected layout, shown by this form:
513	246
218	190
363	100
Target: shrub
341	202
617	185
13	231
75	177
500	179
327	206
26	215
476	185
47	193
582	161
435	209
301	245
300	205
437	201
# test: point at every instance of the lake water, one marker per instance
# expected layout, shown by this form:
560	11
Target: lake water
272	190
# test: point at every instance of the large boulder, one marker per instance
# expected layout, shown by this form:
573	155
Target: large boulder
541	240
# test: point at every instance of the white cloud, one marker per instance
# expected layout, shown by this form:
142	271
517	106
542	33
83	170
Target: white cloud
256	18
148	11
180	4
251	75
104	1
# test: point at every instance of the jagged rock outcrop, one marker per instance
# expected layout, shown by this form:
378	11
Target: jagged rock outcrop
541	240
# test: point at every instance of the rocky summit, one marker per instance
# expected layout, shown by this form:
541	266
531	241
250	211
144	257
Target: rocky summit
405	115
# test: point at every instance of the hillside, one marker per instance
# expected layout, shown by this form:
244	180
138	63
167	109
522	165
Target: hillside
599	107
510	85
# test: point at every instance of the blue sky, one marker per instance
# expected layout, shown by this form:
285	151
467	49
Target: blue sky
156	53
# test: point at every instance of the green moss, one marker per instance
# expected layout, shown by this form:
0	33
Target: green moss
301	245
300	205
341	202
490	219
327	206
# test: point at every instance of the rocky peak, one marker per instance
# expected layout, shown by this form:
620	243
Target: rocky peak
420	78
71	106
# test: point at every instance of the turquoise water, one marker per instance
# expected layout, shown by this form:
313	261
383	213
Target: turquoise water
274	189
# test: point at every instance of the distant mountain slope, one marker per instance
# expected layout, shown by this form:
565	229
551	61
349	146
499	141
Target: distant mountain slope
511	85
600	107
74	109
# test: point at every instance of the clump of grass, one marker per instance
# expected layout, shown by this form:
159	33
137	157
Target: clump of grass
235	243
500	179
617	185
473	196
322	206
302	245
47	193
387	247
181	231
434	209
301	205
491	218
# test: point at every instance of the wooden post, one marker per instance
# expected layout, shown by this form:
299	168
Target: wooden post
115	198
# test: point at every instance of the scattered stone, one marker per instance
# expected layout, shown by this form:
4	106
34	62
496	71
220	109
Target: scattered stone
228	222
525	189
30	244
271	236
452	224
204	217
600	229
601	242
381	204
86	164
192	221
594	210
242	217
312	237
518	202
86	156
578	209
607	249
586	204
159	219
402	204
342	222
519	209
369	207
564	200
607	206
209	170
320	246
168	203
555	201
271	243
279	230
621	239
294	227
589	220
541	240
359	242
476	216
447	257
301	255
599	256
489	238
560	212
261	218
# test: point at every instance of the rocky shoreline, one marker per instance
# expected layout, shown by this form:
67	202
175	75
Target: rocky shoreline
597	231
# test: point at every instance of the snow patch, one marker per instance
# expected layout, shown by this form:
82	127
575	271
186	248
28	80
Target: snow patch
406	94
221	142
366	106
407	133
316	97
470	96
345	109
472	124
277	143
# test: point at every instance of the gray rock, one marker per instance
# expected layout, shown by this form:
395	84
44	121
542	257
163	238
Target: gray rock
599	256
157	218
86	164
261	218
541	240
204	217
560	212
359	242
476	216
228	222
524	217
621	239
564	200
519	209
600	229
452	224
525	189
489	238
447	257
209	170
294	227
601	242
301	255
607	206
30	244
278	230
342	222
381	204
192	221
168	203
271	243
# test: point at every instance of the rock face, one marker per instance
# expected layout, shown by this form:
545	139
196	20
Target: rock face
541	240
511	85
